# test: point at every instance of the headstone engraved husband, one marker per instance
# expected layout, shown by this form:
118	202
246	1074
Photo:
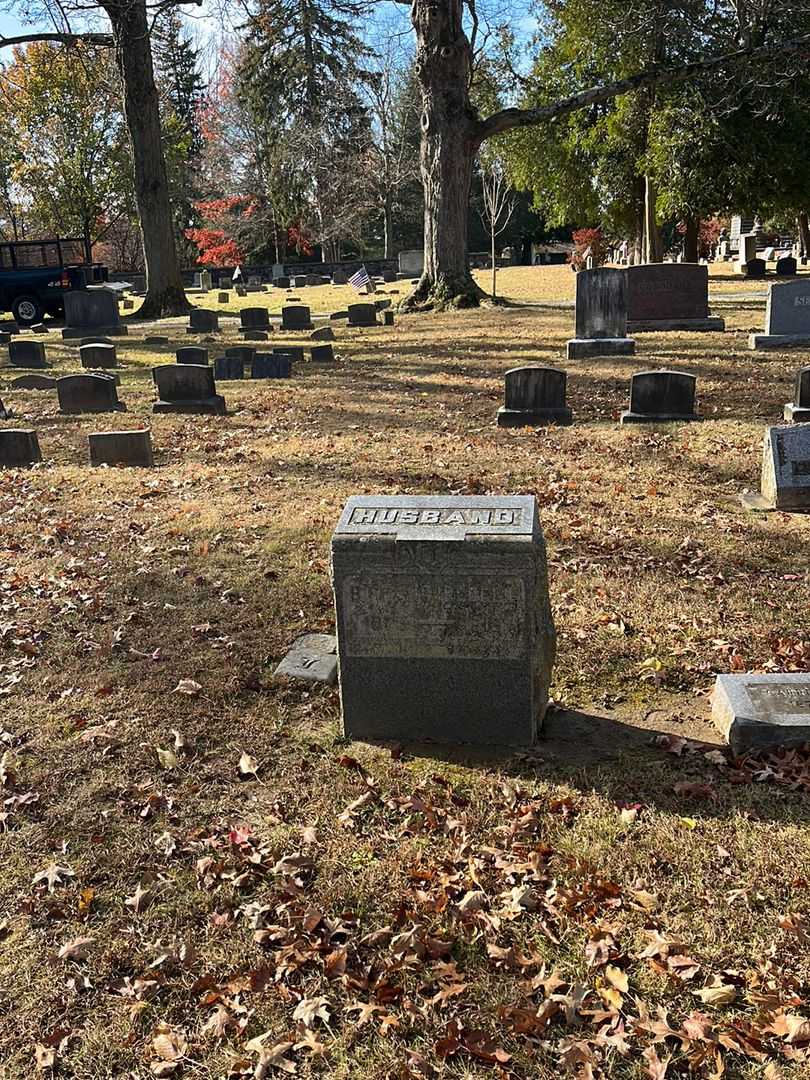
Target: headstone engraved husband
444	625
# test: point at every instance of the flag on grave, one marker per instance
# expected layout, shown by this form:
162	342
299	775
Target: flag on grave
361	280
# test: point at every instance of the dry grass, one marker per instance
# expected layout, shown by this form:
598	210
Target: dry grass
117	584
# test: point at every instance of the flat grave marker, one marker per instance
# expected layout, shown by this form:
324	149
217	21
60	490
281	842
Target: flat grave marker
762	712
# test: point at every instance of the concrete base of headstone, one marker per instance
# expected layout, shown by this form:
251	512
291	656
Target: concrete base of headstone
762	712
583	348
515	418
444	626
668	325
629	417
312	658
796	414
779	341
214	406
18	447
121	448
70	332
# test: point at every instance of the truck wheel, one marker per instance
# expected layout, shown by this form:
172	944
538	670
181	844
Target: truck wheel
27	310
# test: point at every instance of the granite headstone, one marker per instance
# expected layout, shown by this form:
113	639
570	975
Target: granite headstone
18	447
444	625
787	317
669	296
27	354
762	712
661	396
785	480
88	394
534	396
798	410
121	448
601	315
186	388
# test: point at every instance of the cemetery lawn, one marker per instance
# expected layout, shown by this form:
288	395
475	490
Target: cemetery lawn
199	877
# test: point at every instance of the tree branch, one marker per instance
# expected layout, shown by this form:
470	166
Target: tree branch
65	39
509	119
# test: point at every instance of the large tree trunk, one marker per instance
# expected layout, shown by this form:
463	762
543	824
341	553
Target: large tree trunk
165	294
450	140
691	238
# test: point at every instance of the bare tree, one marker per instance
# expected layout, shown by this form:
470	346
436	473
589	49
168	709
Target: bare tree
497	205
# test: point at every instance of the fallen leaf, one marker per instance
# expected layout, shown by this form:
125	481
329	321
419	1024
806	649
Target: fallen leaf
656	1068
75	950
617	978
139	899
167	758
308	1010
723	994
188	687
54	875
248	765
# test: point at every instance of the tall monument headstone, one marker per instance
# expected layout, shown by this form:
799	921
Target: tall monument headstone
601	315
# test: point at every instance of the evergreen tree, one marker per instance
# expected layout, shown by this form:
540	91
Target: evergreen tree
182	90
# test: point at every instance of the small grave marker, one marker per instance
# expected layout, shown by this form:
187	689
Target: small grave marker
192	354
785	481
88	394
761	712
186	388
534	396
322	354
669	296
97	355
362	314
296	317
658	397
27	354
798	410
18	447
786	266
33	382
202	321
274	365
229	367
312	658
92	309
254	318
121	448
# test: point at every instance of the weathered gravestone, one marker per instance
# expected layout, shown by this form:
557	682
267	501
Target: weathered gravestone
223	297
443	619
747	252
274	365
192	354
786	266
92	309
785	482
312	658
411	263
324	333
761	712
254	318
98	355
4	338
322	354
787	317
601	315
226	282
255	335
299	281
18	447
388	318
156	339
296	317
33	382
362	314
669	296
340	277
389	277
88	394
121	448
202	321
229	367
186	388
755	268
336	315
663	396
534	396
25	353
282	282
798	410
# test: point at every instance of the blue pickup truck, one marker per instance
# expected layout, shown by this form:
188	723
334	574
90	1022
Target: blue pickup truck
36	274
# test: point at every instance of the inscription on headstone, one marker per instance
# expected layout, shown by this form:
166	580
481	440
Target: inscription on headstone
444	624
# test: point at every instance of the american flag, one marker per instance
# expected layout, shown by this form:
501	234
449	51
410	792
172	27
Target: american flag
361	281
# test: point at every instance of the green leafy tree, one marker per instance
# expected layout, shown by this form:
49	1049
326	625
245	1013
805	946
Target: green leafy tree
71	168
